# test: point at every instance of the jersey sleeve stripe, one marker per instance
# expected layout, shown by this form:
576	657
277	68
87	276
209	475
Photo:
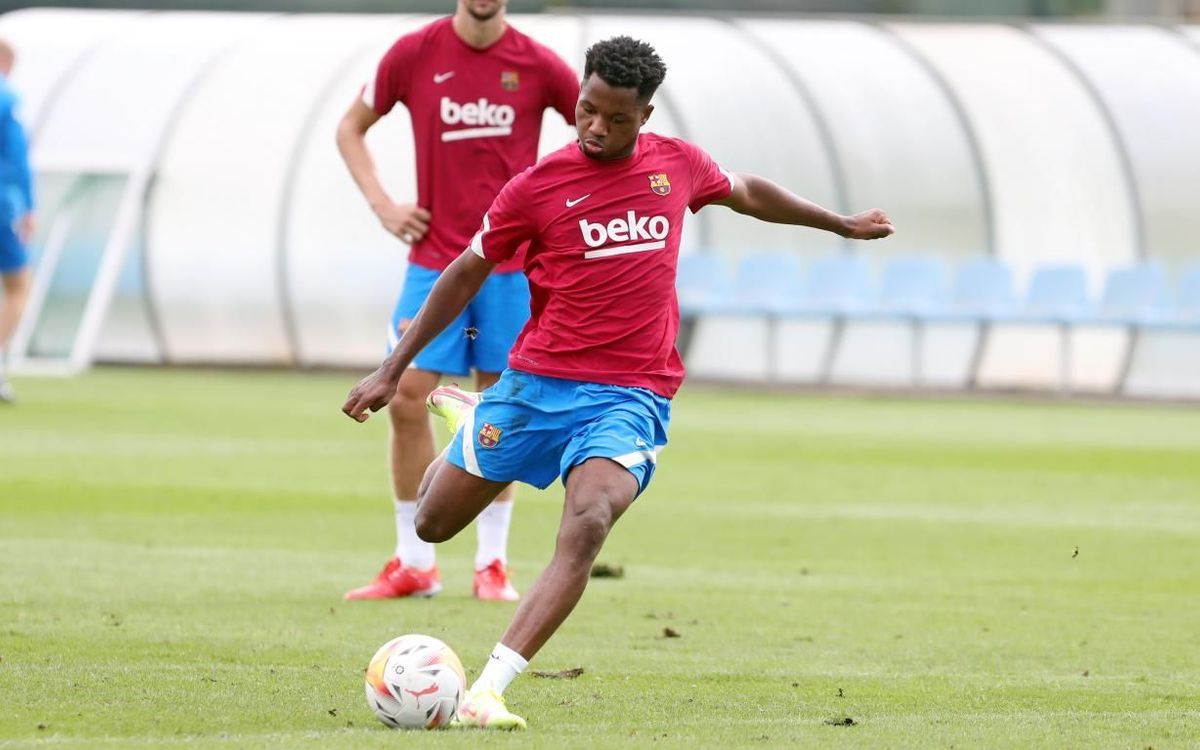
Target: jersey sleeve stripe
477	241
732	179
368	93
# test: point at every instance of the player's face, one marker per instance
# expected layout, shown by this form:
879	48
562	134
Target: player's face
608	119
482	10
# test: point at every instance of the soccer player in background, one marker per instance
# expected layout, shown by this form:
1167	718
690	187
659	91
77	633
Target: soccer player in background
16	216
476	89
586	396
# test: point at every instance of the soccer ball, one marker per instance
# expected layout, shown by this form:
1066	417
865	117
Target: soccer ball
415	682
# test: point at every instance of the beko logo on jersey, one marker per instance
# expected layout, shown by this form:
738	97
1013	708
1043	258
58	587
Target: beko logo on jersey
481	112
641	232
487	120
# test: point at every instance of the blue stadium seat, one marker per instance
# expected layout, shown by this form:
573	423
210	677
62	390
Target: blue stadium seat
1185	314
982	291
1133	295
704	284
1187	303
835	286
910	289
1057	294
764	282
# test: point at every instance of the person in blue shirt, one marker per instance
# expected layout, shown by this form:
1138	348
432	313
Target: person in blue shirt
16	214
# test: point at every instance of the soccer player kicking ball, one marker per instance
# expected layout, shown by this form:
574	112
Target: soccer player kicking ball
587	393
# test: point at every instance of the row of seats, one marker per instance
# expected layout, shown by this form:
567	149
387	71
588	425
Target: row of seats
927	290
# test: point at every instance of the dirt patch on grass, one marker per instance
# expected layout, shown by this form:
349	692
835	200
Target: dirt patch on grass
562	674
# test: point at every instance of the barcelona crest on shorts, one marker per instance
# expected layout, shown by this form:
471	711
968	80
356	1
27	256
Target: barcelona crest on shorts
510	80
489	435
660	184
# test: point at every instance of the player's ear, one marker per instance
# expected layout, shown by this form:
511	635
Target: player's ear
646	112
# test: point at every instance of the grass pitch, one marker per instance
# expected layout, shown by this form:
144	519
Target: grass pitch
840	573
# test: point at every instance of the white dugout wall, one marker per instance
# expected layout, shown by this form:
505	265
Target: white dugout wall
188	170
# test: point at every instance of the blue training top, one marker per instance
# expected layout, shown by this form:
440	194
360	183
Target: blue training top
16	178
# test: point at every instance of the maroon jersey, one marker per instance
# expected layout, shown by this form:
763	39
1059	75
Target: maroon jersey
476	116
603	248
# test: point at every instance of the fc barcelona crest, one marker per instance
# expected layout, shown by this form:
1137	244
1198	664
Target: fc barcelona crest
510	80
659	183
489	435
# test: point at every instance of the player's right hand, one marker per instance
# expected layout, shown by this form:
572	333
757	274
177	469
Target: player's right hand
372	392
407	221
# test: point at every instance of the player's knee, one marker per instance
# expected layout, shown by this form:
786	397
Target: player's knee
585	527
430	529
407	409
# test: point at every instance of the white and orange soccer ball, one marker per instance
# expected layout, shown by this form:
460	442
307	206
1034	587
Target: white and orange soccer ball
415	682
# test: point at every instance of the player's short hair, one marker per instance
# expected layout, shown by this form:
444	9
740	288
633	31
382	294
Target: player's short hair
625	62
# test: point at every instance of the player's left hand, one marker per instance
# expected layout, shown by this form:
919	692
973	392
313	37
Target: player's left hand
868	225
372	392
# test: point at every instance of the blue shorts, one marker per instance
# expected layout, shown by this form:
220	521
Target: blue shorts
478	339
13	256
533	429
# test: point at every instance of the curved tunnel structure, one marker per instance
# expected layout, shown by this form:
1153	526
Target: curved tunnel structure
186	160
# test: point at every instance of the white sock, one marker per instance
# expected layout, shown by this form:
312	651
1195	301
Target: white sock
502	668
411	550
491	530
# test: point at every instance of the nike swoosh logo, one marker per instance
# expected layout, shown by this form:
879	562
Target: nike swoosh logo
442	77
571	203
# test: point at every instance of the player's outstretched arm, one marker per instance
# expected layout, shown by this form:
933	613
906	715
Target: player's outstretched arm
448	298
759	197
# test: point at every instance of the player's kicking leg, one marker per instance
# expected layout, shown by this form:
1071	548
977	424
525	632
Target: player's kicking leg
413	569
598	492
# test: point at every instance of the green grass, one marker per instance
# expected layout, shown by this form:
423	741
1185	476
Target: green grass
174	546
